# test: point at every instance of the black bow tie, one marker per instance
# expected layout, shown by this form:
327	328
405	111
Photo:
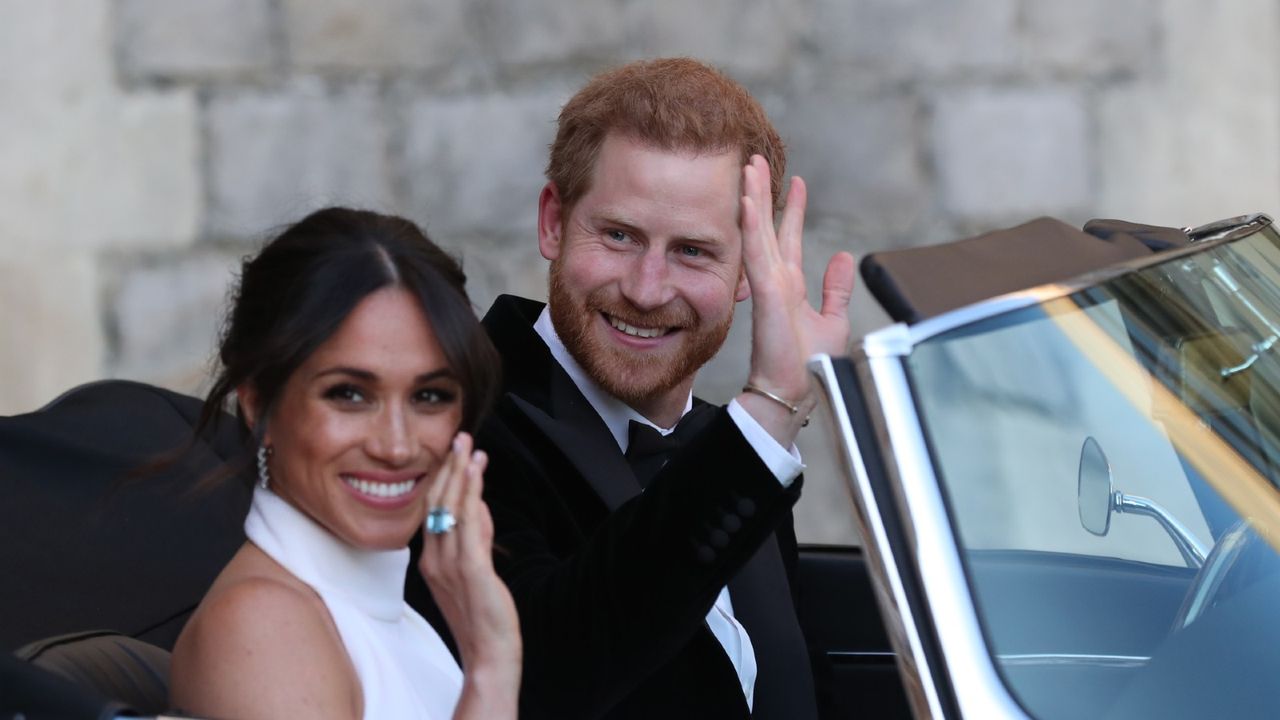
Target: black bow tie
648	449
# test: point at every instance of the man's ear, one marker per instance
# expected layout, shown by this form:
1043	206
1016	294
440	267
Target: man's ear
247	399
743	290
550	221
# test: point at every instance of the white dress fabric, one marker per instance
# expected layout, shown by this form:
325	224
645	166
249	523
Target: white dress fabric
404	668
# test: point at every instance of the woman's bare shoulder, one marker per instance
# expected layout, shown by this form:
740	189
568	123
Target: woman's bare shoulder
262	644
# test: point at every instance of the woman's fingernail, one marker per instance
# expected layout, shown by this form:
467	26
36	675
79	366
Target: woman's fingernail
457	443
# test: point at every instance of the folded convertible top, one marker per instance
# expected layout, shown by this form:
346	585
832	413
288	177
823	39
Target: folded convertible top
918	283
88	544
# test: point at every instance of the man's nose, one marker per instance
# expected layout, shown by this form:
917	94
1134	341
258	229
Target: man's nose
390	440
648	284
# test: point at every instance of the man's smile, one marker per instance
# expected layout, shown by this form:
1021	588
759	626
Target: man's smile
635	330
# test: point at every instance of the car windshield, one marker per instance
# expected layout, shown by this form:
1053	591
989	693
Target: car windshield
1110	460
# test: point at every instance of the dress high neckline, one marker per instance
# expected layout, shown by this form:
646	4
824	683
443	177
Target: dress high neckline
372	580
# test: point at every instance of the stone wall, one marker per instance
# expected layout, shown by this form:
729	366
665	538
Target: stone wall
148	144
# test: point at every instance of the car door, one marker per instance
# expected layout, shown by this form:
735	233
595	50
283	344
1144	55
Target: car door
1059	490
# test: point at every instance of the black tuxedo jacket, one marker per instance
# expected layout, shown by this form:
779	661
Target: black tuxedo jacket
613	586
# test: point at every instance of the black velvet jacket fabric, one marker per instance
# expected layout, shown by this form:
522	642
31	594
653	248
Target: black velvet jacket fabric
613	585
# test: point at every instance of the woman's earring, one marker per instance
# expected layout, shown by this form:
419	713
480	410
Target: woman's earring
264	473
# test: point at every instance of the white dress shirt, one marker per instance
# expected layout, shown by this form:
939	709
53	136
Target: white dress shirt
783	462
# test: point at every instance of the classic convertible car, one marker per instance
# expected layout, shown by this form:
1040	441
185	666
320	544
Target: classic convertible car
1063	455
1069	492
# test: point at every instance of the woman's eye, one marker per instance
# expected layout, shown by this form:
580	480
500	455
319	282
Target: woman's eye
345	393
435	396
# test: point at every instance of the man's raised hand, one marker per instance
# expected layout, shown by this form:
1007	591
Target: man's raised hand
785	329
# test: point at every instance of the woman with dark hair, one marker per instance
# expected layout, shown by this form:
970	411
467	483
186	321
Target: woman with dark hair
358	368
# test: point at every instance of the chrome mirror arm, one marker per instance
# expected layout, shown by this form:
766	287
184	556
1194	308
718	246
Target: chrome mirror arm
1193	552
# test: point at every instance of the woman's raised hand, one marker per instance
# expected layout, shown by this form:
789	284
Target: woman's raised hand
457	565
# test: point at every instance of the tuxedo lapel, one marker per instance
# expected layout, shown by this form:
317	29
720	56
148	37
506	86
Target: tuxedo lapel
581	435
762	602
542	391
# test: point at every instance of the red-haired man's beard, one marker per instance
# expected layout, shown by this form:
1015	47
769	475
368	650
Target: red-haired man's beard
633	375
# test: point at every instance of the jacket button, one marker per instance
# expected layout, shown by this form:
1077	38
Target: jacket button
731	522
746	508
719	539
705	555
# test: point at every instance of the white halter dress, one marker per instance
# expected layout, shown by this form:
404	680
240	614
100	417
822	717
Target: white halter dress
404	668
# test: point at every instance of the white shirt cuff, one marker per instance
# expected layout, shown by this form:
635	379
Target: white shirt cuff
784	463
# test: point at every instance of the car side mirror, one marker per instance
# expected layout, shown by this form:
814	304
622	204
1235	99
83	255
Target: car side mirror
1097	499
1094	489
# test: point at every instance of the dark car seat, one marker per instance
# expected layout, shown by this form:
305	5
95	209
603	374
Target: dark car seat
126	670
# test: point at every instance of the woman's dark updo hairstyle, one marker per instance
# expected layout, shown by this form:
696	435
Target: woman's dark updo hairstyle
295	294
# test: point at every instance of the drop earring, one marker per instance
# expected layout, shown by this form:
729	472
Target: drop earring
264	473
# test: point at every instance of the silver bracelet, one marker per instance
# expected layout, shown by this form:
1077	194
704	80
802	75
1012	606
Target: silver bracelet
766	394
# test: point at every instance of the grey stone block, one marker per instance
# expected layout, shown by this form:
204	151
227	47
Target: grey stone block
861	157
84	164
145	190
1011	153
544	31
108	170
54	52
375	34
719	32
914	39
1092	37
1196	144
498	264
210	38
1185	170
475	163
50	320
273	156
166	314
1219	49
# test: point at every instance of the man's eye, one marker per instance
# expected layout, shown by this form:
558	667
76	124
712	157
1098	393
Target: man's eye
690	251
616	235
345	393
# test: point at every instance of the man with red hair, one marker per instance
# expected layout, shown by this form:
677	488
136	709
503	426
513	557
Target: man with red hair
649	562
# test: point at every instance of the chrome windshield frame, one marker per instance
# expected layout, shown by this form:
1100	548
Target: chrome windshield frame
895	605
973	681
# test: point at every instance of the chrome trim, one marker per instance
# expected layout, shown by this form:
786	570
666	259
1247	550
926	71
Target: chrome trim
891	595
976	685
1192	550
1259	349
861	654
1231	228
891	340
1025	659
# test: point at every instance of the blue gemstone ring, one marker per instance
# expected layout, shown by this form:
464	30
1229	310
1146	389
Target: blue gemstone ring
440	521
